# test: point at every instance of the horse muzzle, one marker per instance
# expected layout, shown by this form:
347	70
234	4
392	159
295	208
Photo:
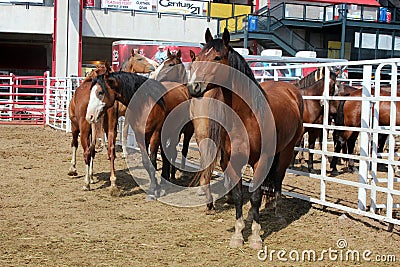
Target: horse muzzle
93	117
196	89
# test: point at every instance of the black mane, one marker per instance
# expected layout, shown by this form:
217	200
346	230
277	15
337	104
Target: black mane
127	84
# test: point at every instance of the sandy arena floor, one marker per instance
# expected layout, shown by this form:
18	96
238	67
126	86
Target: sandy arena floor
47	220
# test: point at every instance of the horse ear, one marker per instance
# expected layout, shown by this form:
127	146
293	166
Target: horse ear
168	53
108	66
179	53
208	36
192	55
226	37
132	52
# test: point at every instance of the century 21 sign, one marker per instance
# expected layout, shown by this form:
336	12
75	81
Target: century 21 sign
181	7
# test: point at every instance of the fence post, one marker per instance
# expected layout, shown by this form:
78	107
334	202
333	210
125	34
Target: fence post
364	137
47	98
69	96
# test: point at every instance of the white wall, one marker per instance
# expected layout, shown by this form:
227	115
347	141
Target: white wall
143	26
36	19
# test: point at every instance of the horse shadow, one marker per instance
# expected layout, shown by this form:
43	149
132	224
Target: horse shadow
289	210
126	183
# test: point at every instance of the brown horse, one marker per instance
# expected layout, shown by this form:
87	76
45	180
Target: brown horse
313	110
349	114
249	135
146	117
77	113
170	72
152	101
138	63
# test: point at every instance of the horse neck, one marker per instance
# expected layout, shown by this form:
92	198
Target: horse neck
315	89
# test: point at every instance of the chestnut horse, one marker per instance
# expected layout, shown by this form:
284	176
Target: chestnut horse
173	70
251	133
349	114
313	110
152	104
77	113
138	63
108	124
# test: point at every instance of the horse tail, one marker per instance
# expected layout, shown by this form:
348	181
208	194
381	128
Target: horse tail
214	133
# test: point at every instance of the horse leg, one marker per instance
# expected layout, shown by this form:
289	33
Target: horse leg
351	142
74	146
87	155
237	195
187	135
124	137
299	144
255	200
338	141
165	171
111	137
381	145
154	145
312	137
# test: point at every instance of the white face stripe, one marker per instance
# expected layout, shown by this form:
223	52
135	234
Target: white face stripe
95	105
209	51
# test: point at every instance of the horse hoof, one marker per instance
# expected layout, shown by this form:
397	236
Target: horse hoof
72	172
236	242
334	173
229	200
353	170
93	181
151	198
311	170
86	188
210	211
256	244
115	192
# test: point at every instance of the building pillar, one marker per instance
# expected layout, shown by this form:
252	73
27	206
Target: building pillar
67	38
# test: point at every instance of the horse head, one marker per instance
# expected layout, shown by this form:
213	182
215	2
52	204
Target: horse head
206	66
101	69
102	96
172	69
138	63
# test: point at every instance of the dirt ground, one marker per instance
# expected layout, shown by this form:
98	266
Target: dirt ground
47	220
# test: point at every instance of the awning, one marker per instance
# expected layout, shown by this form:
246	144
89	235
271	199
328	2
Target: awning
359	2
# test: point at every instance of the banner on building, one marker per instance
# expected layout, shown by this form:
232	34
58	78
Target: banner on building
181	7
127	4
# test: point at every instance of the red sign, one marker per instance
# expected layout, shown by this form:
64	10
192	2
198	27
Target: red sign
89	3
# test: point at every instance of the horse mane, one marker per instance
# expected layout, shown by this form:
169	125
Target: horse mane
311	78
129	83
238	62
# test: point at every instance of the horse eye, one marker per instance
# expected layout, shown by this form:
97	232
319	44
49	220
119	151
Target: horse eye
100	93
217	58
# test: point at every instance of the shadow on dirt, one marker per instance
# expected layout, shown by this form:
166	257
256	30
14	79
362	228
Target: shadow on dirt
288	210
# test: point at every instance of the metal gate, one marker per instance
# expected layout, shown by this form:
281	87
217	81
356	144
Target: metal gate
22	99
